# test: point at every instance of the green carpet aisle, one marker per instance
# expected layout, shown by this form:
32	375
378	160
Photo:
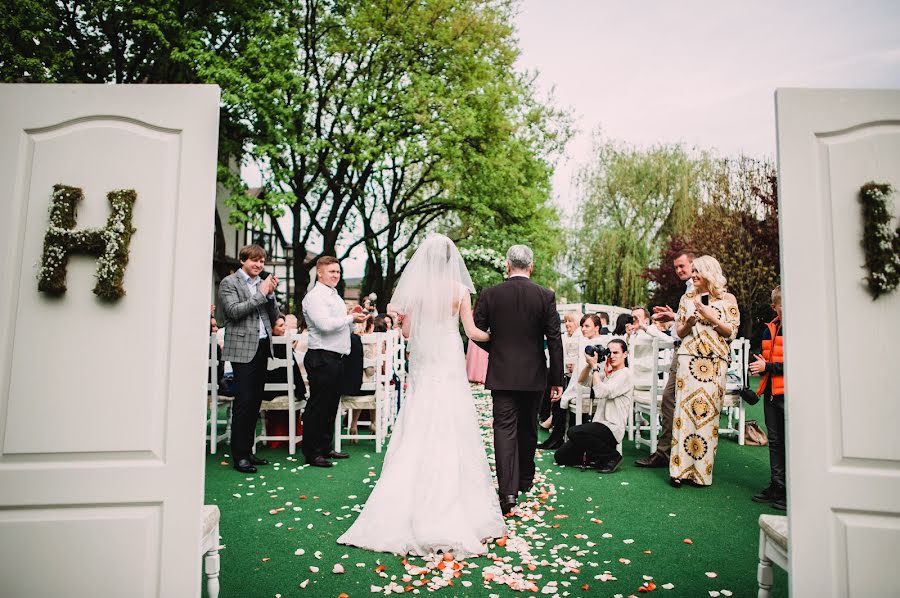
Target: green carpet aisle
578	533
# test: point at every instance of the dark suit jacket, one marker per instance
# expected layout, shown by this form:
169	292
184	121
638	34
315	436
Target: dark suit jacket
519	314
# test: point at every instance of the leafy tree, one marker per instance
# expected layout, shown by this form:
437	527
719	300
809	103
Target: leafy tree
372	118
738	225
633	201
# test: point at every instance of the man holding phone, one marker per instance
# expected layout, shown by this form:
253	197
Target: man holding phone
247	298
683	268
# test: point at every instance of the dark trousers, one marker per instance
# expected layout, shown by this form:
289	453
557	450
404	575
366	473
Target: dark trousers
515	438
592	438
249	381
664	446
773	409
546	405
560	416
324	370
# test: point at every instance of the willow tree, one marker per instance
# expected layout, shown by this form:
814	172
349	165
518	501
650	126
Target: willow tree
632	201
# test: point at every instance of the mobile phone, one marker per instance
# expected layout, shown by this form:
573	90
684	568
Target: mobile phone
704	299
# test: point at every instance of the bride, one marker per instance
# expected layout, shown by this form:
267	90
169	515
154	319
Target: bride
435	492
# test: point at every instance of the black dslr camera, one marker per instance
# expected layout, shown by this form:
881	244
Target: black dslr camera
599	350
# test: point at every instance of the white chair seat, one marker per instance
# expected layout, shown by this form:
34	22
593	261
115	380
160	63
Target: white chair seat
773	548
209	548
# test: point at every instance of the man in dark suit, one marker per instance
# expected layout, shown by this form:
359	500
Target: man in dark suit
248	303
519	315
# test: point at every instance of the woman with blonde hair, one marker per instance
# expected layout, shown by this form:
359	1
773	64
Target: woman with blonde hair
708	319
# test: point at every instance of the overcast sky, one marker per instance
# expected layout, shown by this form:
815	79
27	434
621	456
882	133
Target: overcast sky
698	72
702	73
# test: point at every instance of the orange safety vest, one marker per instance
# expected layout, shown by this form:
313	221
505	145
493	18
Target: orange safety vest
773	352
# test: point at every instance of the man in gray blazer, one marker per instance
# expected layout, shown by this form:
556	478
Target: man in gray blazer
249	305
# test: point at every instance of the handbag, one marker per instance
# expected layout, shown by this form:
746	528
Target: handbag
753	434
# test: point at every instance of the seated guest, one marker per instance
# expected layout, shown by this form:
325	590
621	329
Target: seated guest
355	374
383	323
596	442
622	324
279	375
571	342
604	323
291	324
590	331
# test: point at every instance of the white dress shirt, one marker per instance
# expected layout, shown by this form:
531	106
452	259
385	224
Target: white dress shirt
329	323
614	409
253	287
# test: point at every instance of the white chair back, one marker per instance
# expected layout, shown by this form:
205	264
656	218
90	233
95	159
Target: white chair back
294	403
738	367
651	357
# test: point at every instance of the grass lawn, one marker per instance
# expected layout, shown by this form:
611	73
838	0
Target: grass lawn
609	533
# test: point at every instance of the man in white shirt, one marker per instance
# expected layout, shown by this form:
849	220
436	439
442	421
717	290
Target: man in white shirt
595	442
330	327
683	264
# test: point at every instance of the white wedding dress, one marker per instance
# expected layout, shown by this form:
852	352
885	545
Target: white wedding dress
435	491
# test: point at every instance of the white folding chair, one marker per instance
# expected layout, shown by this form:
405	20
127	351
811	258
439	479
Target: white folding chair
378	355
287	402
399	352
215	401
655	354
737	377
773	548
209	548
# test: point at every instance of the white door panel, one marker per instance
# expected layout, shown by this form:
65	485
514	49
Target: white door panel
841	364
101	404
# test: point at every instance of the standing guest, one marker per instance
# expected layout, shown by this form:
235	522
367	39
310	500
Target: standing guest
250	309
683	267
708	320
770	365
623	324
599	438
329	327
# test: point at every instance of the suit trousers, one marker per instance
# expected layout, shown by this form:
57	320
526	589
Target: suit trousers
325	370
515	438
773	410
664	446
249	382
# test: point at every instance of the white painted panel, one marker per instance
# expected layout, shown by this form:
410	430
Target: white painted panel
102	405
866	358
869	545
56	539
840	356
95	351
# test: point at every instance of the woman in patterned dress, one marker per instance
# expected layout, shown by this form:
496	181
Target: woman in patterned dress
708	319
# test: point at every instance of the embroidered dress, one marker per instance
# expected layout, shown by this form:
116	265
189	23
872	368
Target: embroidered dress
699	391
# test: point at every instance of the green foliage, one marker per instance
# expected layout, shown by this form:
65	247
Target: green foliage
633	201
881	242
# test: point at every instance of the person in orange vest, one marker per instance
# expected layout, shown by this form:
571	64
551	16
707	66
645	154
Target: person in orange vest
770	365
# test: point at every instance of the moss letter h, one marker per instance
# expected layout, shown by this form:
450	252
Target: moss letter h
108	244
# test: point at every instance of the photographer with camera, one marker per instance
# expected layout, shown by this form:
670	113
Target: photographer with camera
595	443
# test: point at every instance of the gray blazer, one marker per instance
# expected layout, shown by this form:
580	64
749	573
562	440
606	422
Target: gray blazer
241	322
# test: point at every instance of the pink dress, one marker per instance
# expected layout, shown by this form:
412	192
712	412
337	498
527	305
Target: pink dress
476	363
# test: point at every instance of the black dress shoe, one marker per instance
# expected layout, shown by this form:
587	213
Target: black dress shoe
654	460
611	465
244	466
766	495
319	461
675	482
525	488
256	460
780	503
551	443
337	455
507	503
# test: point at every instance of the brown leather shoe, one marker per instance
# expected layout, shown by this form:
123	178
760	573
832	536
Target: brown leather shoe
654	460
